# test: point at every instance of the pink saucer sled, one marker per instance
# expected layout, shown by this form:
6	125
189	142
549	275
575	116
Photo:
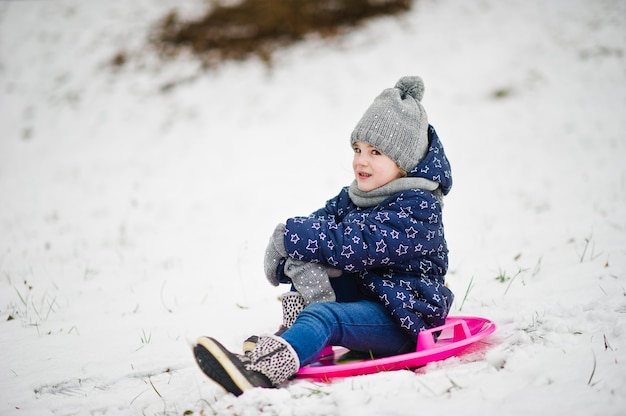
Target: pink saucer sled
458	333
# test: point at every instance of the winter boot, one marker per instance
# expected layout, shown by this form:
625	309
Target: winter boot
270	363
293	303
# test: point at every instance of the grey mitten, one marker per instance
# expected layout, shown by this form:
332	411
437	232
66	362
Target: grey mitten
311	280
333	272
274	253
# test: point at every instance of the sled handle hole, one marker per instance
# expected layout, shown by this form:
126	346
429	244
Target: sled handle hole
426	339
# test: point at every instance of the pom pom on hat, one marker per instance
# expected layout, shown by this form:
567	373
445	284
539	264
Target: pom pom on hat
396	123
413	86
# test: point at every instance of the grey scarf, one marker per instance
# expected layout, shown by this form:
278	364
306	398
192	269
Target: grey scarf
376	196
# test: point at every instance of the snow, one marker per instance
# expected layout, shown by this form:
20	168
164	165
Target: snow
134	217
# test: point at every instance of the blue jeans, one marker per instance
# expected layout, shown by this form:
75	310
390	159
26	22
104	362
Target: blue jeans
363	325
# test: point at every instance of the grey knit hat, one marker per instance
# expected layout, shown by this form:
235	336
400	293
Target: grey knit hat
396	123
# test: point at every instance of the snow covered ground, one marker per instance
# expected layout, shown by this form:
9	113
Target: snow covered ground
133	217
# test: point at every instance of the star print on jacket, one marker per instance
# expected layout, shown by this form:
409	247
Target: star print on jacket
396	249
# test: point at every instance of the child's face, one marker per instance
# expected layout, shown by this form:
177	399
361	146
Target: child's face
372	168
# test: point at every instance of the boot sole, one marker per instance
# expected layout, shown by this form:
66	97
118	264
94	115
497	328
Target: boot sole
221	366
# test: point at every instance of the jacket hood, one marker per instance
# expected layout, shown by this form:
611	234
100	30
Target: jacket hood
435	165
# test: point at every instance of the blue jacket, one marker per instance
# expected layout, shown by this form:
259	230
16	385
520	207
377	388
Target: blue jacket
396	249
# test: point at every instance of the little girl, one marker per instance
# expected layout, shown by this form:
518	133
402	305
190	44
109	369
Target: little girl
381	240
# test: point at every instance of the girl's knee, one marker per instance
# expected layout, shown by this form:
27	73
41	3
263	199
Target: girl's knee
321	311
318	308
